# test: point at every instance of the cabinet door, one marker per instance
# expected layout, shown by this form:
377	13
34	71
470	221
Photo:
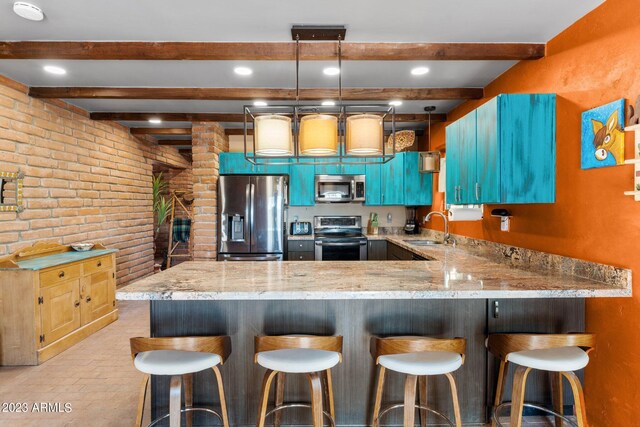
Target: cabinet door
377	250
392	181
418	187
60	310
527	148
467	169
354	168
98	296
323	169
373	181
301	185
487	186
235	163
452	161
273	169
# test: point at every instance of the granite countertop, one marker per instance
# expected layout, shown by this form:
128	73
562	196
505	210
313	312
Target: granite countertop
453	273
58	259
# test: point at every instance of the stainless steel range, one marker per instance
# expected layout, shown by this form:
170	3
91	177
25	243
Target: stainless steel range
339	238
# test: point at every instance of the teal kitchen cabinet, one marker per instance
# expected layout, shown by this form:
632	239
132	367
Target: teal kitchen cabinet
301	185
235	164
504	152
418	187
344	169
385	182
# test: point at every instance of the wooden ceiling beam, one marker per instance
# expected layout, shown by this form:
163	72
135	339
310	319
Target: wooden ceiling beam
160	131
174	142
267	51
224	94
228	117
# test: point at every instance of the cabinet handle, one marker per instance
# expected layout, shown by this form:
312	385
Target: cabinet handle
383	198
300	256
76	304
61	274
496	309
477	191
99	263
88	299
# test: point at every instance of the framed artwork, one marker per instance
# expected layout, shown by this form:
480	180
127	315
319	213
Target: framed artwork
603	136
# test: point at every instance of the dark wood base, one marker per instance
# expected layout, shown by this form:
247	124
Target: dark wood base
356	321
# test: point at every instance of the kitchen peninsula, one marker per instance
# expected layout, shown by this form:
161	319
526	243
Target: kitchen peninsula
462	291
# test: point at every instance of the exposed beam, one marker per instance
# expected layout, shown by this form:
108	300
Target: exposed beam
275	51
160	131
174	142
228	117
234	131
221	94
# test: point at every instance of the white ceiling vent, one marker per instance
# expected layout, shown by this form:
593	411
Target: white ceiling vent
28	11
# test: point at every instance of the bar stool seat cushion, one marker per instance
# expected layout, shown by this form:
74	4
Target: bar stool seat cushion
174	362
298	360
552	359
423	363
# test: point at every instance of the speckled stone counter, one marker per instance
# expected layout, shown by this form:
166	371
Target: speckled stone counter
453	273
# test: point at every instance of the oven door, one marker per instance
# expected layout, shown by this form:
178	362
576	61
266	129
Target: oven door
341	249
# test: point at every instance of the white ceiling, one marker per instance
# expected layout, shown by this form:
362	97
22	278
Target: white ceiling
259	20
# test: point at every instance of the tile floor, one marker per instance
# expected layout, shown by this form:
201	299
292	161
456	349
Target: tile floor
96	377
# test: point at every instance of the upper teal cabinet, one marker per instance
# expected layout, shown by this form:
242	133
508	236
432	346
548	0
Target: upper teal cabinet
385	182
235	164
418	187
301	185
504	152
343	169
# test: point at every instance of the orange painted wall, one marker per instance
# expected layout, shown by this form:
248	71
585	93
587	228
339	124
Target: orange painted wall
593	62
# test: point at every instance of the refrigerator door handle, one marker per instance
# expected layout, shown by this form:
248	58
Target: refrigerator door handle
252	203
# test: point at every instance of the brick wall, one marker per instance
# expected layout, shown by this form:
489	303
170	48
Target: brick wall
84	180
208	141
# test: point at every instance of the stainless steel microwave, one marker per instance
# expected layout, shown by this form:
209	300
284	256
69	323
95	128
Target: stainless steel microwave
339	188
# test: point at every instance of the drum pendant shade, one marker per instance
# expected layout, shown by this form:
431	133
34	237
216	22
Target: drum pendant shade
272	135
318	135
364	135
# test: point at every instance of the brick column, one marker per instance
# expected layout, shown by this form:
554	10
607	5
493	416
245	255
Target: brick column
208	141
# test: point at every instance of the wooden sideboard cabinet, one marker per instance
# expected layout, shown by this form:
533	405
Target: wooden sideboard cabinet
52	297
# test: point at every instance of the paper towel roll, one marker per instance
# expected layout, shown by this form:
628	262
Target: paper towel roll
459	213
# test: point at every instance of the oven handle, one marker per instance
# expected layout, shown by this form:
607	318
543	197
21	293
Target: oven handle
341	244
252	258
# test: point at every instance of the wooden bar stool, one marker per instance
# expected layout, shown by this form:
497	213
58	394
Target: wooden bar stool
298	354
180	358
560	354
418	358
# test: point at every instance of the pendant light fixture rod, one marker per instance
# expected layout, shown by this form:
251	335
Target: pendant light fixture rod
340	70
297	69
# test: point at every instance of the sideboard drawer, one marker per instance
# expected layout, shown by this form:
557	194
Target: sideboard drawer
97	264
57	275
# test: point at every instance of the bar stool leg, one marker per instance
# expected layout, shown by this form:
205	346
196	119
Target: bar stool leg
422	396
517	396
556	389
410	400
378	399
328	388
223	399
316	398
454	399
578	398
187	381
277	417
264	396
502	380
141	400
175	401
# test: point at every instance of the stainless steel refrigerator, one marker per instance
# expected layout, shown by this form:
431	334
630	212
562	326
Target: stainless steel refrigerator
251	221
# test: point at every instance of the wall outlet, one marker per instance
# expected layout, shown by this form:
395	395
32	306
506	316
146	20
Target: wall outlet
389	218
505	223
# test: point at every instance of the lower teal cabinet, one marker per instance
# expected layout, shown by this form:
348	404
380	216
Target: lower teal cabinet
418	187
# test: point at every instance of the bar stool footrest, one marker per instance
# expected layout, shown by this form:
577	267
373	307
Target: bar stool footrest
298	405
420	407
184	410
499	408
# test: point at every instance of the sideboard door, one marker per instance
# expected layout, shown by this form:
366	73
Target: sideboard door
60	310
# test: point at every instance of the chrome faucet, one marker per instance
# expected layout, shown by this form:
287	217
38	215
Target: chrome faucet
447	237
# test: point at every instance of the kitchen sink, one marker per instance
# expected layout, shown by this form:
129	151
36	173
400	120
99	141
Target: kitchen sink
423	242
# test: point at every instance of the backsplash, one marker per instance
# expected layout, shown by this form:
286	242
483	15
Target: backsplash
306	213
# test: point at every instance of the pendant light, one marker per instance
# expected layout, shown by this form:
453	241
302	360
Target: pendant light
272	135
364	135
318	135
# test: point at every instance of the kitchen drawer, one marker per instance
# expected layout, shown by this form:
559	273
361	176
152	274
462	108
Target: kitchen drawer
301	245
302	255
395	252
97	264
60	274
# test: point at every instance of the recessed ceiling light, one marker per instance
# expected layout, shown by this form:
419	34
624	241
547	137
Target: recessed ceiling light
331	71
328	103
28	11
395	103
259	104
155	121
420	71
54	70
243	71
